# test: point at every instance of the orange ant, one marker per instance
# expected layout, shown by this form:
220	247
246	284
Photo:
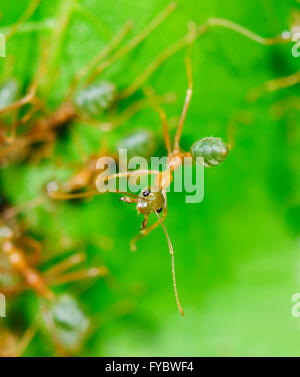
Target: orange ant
99	96
66	323
23	252
10	343
153	199
213	151
95	98
287	81
23	265
20	254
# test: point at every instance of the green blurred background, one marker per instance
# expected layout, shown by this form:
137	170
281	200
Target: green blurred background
237	252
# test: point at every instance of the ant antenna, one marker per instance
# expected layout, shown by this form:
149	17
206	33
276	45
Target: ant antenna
173	263
242	30
87	194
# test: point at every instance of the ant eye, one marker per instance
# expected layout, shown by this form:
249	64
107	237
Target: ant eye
146	192
159	210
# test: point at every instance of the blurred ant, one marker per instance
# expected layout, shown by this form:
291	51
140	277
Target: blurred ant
291	35
65	322
10	343
140	142
20	254
23	252
94	98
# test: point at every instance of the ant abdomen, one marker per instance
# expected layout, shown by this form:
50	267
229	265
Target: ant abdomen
213	150
70	320
9	92
139	143
96	98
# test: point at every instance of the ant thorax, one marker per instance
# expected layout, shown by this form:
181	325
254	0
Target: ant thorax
175	161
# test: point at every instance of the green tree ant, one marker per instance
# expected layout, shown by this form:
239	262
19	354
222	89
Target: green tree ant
153	199
212	150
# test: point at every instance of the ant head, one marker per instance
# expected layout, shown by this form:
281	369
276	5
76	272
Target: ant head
150	200
213	150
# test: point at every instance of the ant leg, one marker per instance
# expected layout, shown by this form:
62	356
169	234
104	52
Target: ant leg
23	101
65	265
131	110
166	134
27	14
246	32
119	37
56	44
185	107
273	85
134	42
243	117
172	263
138	173
55	275
144	224
35	257
52	329
283	106
79	275
64	196
165	55
12	212
36	106
28	336
45	151
6	270
30	96
8	68
163	118
102	29
144	232
31	93
79	147
16	289
128	200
